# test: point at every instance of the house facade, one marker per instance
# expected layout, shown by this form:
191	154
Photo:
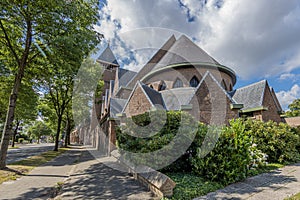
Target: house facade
181	76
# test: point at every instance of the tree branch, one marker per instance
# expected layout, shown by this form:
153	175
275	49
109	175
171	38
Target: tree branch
9	43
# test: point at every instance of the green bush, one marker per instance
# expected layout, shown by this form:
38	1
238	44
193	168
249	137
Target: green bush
231	157
20	140
279	141
164	128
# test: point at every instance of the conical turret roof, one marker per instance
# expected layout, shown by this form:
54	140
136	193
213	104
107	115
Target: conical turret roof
107	56
185	51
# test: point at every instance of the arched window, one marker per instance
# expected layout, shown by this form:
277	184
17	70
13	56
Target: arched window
224	85
178	83
194	81
162	86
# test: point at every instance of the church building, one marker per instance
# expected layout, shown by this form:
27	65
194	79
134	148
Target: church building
181	76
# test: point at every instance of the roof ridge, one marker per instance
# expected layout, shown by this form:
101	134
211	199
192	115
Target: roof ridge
165	47
252	84
225	92
148	95
184	50
130	96
263	93
108	56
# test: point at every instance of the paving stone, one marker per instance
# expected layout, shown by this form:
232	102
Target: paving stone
275	185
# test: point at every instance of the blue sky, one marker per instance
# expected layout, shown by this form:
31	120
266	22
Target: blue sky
257	40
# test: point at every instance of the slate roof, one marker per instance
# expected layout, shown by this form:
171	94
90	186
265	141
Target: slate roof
279	108
174	98
125	76
251	96
108	56
152	62
154	96
116	106
183	51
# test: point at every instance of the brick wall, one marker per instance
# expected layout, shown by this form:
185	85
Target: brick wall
210	104
293	121
138	103
272	112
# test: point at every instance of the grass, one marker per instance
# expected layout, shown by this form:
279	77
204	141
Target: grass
23	167
15	147
295	197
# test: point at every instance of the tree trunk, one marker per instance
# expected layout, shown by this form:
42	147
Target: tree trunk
15	133
67	137
9	119
59	120
14	95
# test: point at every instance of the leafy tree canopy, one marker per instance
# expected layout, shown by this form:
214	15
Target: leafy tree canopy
294	109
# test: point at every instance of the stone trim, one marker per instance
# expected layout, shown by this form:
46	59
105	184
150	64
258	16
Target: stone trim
261	108
236	106
158	183
222	68
186	107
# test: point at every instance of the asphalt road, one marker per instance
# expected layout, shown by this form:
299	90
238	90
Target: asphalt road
27	150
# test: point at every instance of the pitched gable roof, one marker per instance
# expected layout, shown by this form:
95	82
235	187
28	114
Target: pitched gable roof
176	97
185	51
107	56
209	75
154	96
278	106
251	96
125	76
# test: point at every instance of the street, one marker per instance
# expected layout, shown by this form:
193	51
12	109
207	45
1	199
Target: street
27	150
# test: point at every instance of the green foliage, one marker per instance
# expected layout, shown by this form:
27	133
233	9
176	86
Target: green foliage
279	141
224	154
230	159
39	129
190	186
169	132
294	109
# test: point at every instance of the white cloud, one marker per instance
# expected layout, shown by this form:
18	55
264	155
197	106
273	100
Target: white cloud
287	97
289	77
255	39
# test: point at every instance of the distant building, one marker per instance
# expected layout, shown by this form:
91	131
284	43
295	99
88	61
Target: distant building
181	76
293	121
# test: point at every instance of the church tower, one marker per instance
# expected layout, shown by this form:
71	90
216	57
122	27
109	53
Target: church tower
109	61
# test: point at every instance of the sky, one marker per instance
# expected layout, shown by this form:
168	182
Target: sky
257	39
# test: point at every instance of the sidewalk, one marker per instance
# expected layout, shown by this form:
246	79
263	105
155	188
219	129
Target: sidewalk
275	185
39	183
100	179
84	176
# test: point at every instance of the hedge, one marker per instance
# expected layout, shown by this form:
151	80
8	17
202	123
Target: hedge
224	154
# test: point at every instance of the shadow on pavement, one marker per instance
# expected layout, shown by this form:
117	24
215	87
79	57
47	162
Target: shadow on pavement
99	181
37	193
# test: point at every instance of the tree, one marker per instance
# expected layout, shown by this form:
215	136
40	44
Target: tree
26	104
26	109
294	109
39	129
30	31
